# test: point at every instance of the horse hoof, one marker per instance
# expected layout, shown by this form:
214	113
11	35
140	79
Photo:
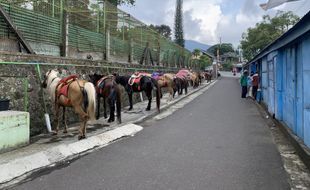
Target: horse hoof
65	131
105	116
129	109
119	121
54	133
147	109
111	120
81	137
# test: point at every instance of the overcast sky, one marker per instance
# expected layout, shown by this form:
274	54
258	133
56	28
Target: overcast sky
208	20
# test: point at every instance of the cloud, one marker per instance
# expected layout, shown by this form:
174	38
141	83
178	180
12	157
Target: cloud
208	20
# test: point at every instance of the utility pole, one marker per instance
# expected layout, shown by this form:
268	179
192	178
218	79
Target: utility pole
215	67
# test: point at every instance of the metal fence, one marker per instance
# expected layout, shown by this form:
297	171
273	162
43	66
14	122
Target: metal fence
91	26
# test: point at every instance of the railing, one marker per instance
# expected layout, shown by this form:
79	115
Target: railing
98	29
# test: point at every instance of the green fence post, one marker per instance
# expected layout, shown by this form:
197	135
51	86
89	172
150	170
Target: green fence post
26	100
53	8
98	21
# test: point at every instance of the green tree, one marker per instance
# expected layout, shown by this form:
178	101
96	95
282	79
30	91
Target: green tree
178	24
224	48
196	53
204	61
227	66
265	32
164	30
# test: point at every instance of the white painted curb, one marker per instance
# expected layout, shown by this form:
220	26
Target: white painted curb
23	166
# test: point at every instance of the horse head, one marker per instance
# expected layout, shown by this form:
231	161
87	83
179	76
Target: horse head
50	74
95	78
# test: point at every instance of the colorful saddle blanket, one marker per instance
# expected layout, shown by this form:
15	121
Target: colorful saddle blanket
136	78
156	75
63	86
183	74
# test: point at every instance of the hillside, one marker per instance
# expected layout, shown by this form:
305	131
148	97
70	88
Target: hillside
191	45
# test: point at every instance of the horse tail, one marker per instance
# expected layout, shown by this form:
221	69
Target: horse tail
91	100
118	104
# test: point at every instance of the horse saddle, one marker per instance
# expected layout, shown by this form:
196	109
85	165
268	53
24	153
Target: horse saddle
156	75
101	83
63	87
183	74
135	79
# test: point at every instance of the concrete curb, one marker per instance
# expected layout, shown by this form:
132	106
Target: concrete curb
19	169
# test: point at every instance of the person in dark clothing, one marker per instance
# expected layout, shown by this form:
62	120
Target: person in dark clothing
255	84
244	83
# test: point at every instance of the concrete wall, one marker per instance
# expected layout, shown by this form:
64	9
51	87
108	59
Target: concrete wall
20	82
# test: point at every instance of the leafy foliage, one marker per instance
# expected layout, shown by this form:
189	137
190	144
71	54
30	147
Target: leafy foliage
265	32
204	61
178	24
227	66
224	48
196	53
162	29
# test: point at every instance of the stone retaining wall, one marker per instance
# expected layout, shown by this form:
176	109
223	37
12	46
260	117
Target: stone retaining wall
20	82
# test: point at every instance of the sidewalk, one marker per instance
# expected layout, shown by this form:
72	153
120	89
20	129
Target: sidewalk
47	151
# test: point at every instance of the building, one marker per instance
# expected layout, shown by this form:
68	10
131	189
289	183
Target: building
284	67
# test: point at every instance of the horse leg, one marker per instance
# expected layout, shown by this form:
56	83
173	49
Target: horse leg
83	117
185	86
64	120
111	101
130	101
171	93
161	93
118	105
98	108
56	119
105	108
149	96
181	88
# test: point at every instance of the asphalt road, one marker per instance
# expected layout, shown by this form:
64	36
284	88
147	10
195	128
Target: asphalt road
218	141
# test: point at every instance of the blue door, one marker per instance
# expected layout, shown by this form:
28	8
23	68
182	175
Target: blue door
299	92
306	89
264	86
271	85
290	88
279	85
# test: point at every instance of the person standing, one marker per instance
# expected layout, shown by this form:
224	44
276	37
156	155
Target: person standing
255	84
249	94
244	83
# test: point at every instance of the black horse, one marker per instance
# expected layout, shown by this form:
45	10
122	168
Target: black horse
107	89
147	84
181	84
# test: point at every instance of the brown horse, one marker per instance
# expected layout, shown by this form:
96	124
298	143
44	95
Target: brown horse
71	92
195	78
208	76
109	90
167	81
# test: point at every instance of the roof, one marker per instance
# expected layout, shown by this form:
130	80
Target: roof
298	30
208	54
